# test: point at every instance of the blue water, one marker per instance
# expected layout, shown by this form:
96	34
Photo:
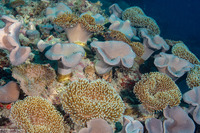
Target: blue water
177	19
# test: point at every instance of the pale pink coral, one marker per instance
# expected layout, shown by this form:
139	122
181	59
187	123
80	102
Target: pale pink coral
9	40
193	99
68	55
131	126
9	92
116	10
176	121
173	66
59	9
152	44
112	53
97	126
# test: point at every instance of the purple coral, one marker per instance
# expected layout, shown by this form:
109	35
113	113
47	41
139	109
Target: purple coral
112	53
9	40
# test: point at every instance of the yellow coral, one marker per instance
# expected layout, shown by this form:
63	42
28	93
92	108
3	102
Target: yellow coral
182	51
193	77
36	115
85	100
70	20
140	20
172	42
35	78
156	91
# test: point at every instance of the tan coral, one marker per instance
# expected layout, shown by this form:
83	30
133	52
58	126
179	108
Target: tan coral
140	20
156	91
172	42
35	78
182	51
78	29
85	100
36	115
193	77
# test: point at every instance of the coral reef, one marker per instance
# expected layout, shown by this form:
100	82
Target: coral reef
105	70
156	91
36	114
85	100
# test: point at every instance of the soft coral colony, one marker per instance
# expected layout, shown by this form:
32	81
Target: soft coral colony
75	69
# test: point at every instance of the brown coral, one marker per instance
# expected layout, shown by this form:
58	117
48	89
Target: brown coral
36	115
193	77
140	20
85	100
35	78
87	22
182	51
156	91
172	42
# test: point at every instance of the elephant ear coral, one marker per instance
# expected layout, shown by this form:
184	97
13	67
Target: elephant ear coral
193	99
171	65
85	100
9	92
156	91
9	40
177	121
97	126
112	53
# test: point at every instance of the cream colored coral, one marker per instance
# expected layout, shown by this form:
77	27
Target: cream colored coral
36	115
193	77
140	20
35	79
182	51
156	91
85	100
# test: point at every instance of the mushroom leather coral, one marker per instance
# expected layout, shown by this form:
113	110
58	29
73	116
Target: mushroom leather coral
36	115
78	29
156	91
85	100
